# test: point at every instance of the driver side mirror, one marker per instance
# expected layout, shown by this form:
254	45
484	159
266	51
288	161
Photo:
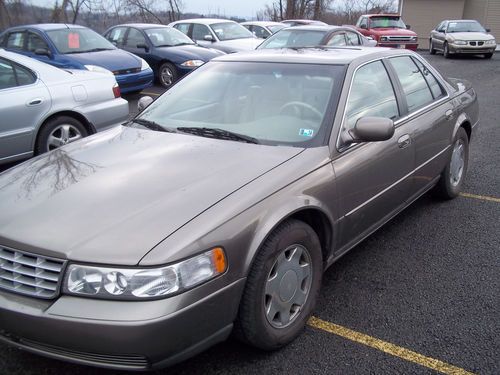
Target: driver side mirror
488	30
143	45
42	52
408	27
370	129
209	38
363	26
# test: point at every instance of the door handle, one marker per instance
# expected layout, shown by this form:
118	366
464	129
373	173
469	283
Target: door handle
449	114
404	141
35	102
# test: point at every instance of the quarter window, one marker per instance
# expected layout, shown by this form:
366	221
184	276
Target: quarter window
414	85
12	75
352	39
371	94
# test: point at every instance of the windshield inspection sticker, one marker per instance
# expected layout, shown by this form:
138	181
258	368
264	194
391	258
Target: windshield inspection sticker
306	132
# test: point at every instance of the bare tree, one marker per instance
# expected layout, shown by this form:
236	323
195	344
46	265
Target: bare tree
4	15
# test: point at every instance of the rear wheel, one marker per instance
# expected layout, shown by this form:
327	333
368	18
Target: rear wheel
167	75
453	176
59	131
282	287
432	51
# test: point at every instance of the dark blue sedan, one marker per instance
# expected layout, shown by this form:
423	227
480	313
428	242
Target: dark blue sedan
77	47
170	52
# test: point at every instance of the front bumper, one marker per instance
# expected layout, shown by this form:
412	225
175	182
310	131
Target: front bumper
474	50
117	334
135	81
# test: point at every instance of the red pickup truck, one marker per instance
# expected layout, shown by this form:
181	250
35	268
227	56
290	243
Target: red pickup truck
388	30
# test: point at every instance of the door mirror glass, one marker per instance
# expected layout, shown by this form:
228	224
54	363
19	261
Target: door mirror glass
408	27
372	129
42	52
208	38
143	45
363	26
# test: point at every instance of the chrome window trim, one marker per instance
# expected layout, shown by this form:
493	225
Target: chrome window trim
400	120
397	182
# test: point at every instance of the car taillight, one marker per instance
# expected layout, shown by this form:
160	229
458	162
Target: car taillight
116	91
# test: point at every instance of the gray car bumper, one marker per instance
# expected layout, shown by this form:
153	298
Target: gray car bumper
128	342
474	50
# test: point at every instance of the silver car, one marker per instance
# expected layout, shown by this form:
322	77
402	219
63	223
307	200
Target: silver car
263	29
462	37
222	203
225	35
43	107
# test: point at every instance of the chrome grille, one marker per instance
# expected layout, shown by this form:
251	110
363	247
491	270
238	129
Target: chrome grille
397	38
476	43
30	274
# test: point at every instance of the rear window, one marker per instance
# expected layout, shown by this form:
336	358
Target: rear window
294	38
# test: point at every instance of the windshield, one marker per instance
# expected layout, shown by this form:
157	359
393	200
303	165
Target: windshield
78	41
272	103
275	28
461	27
230	30
386	21
167	36
294	38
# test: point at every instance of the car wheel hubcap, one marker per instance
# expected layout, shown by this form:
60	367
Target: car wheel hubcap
288	285
457	162
61	135
167	76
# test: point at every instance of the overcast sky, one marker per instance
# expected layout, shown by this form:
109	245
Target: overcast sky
228	7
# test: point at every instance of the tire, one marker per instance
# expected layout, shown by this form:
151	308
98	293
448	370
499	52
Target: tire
488	55
446	51
167	75
432	51
452	179
59	131
291	251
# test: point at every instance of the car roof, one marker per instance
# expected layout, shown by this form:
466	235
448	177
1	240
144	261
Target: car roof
382	15
205	21
261	23
48	26
142	25
318	27
462	21
313	55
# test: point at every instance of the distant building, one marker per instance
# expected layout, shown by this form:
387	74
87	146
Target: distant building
424	15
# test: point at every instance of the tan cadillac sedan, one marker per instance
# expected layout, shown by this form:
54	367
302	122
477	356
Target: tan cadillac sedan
462	37
219	207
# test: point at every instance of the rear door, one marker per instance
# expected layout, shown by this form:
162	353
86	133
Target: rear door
24	101
373	177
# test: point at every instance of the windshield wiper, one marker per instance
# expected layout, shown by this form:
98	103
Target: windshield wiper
183	44
218	134
90	50
153	125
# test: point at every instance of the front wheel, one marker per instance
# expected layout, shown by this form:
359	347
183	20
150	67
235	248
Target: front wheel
167	75
432	51
59	131
453	176
282	287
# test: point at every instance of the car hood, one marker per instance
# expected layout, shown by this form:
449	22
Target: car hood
393	31
116	59
470	36
188	52
238	45
112	197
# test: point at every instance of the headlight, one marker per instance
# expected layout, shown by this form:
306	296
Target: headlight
98	69
460	42
383	39
413	39
144	283
144	65
491	42
193	63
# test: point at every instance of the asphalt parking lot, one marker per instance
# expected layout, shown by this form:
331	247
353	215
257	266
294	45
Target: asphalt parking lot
421	295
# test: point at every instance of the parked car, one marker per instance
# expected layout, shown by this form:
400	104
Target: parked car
222	203
263	29
312	36
77	47
303	22
388	30
462	37
170	53
225	35
43	107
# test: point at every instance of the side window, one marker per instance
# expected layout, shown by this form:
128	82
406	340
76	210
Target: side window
16	40
260	32
363	23
337	39
134	38
182	27
35	42
199	31
116	35
352	39
436	88
12	75
413	82
371	94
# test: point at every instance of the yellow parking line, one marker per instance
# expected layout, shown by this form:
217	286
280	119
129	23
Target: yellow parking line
481	197
150	93
387	347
